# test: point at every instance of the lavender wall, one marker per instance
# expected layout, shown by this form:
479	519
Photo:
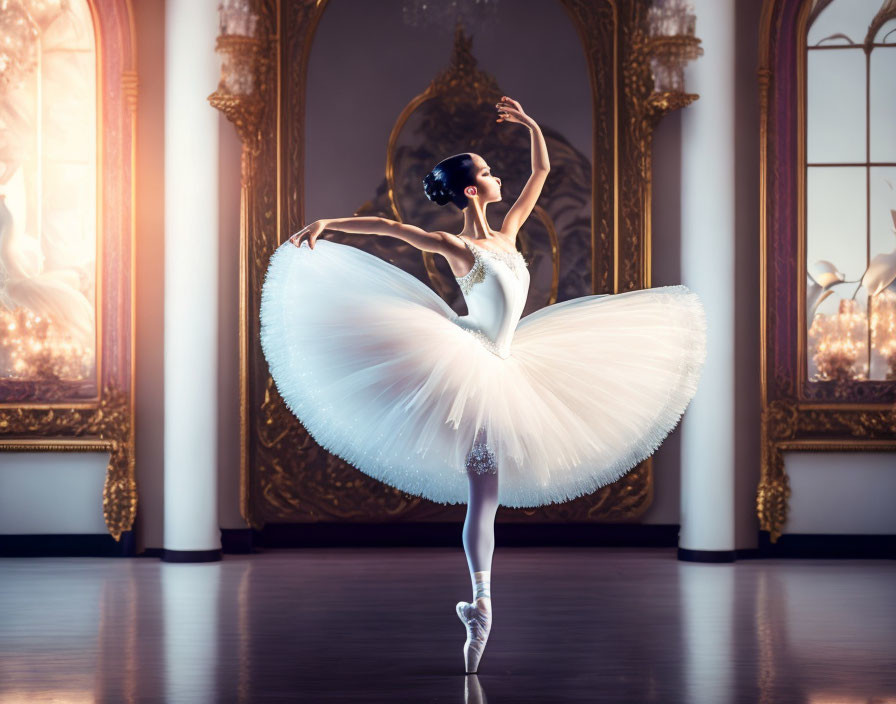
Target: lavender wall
366	65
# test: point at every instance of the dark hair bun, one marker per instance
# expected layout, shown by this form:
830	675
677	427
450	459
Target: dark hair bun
436	189
447	181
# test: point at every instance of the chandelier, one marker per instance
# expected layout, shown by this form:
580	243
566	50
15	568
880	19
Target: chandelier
839	342
21	24
18	43
671	25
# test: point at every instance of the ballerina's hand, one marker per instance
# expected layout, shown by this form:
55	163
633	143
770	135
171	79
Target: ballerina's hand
510	110
312	231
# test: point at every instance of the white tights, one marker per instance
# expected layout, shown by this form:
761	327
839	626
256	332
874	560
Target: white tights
479	526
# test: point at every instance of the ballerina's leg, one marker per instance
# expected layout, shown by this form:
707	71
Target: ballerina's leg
479	545
482	506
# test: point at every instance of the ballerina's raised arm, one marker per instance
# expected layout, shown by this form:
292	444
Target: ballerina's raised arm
463	179
520	211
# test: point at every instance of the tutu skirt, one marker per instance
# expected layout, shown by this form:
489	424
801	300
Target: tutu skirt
378	371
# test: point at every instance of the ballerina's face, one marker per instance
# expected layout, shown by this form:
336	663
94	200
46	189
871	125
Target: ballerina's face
488	186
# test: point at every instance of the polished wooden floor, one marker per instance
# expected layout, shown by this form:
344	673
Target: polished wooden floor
378	625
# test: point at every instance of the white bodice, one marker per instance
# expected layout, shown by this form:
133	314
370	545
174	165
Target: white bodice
495	290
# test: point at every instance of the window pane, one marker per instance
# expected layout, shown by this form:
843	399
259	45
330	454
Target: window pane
883	104
836	106
883	199
835	219
883	242
835	222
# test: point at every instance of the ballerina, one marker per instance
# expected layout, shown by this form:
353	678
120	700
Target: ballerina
384	374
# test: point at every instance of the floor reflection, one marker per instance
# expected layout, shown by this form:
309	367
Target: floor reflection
708	622
473	691
597	625
192	621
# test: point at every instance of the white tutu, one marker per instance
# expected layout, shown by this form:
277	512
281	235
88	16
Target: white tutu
381	373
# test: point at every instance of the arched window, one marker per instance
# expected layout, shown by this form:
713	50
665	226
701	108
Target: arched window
849	137
827	101
68	98
48	198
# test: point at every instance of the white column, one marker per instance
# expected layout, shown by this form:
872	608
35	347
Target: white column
707	267
191	278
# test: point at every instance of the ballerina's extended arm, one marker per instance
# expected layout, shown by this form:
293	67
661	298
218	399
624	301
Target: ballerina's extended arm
520	211
421	239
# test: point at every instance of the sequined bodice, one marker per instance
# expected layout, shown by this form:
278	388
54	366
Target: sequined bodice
495	290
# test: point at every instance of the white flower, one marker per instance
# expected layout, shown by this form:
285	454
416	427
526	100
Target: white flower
881	272
825	274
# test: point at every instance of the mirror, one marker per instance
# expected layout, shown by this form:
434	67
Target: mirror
850	192
48	214
828	244
68	99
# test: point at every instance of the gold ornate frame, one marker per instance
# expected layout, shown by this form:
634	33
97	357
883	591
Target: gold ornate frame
796	416
106	422
285	476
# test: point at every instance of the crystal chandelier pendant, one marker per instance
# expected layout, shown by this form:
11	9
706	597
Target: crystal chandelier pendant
19	38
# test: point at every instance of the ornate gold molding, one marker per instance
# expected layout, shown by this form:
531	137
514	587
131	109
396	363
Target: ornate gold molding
104	427
251	55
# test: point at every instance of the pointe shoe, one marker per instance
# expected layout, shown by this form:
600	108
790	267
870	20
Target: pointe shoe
478	620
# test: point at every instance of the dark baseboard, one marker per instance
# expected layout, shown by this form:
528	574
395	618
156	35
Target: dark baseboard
237	541
234	541
68	545
299	535
747	553
296	535
824	546
686	555
191	555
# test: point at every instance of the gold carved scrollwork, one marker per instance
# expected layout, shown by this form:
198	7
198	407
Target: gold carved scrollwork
105	427
659	104
773	496
779	420
789	427
286	476
252	55
649	106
